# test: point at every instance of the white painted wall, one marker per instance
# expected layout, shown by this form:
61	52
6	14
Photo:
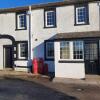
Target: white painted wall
66	15
67	70
3	42
65	24
22	63
8	26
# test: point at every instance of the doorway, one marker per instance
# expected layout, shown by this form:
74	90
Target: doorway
91	57
8	58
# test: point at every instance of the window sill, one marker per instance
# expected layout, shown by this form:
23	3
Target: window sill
81	24
71	61
20	29
50	27
21	59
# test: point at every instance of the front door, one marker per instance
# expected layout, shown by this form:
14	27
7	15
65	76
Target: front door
91	57
8	57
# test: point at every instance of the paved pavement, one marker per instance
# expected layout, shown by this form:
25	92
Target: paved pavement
90	80
30	87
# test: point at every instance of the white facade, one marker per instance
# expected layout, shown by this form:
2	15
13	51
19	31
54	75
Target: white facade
65	24
65	19
8	27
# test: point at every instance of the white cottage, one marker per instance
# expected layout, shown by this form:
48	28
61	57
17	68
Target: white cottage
65	34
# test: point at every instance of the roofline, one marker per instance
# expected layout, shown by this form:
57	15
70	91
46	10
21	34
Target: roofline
39	6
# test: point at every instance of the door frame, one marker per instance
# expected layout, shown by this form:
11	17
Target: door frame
4	47
98	47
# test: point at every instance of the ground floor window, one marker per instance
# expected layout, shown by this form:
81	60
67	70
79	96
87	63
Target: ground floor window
64	50
78	49
49	50
71	50
22	50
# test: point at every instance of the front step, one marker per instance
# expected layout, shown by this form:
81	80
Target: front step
8	69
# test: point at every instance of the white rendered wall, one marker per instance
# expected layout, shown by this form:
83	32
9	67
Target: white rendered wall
65	24
67	70
8	27
2	55
66	16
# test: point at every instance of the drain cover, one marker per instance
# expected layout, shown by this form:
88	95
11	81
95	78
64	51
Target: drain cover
79	89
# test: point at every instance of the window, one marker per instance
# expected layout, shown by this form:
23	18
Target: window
50	18
49	50
64	50
23	50
21	20
78	50
81	14
71	50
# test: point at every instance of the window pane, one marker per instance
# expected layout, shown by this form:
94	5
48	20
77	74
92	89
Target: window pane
50	49
81	14
50	18
64	50
78	49
22	21
23	50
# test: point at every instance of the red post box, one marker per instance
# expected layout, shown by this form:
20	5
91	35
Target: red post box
35	66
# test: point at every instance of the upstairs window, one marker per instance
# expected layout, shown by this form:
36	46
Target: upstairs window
81	15
50	18
21	20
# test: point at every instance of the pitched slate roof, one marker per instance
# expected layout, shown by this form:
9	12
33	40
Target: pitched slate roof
54	4
74	35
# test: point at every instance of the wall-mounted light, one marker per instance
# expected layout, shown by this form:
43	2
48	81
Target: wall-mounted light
36	39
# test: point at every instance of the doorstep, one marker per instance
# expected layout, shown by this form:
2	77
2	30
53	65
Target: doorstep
90	80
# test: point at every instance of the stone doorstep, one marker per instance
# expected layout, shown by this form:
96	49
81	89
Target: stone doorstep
87	81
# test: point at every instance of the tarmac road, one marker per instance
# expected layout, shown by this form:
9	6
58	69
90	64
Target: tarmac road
43	89
17	89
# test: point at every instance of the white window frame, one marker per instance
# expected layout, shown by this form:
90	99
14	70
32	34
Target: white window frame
71	52
18	21
77	8
48	57
19	51
82	48
46	21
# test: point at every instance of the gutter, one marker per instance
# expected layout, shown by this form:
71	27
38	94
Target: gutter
30	56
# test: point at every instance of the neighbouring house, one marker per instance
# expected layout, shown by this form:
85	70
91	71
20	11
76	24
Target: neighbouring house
65	34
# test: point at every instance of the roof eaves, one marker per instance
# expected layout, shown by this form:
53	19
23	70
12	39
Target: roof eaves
39	6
